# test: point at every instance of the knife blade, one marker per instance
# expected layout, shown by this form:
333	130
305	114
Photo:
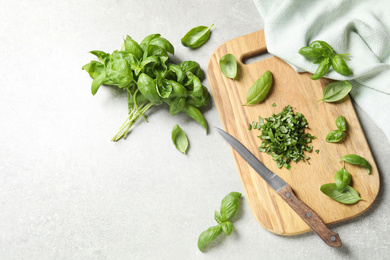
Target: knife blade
285	191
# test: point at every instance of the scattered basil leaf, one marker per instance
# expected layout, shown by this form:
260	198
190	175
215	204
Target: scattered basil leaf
348	196
336	91
322	69
273	105
342	179
196	37
228	66
227	227
335	136
317	151
340	66
341	123
357	160
179	139
259	89
230	205
208	235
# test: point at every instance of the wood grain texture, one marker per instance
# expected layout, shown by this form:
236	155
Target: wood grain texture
299	91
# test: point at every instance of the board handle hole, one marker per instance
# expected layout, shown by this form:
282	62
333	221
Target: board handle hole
251	58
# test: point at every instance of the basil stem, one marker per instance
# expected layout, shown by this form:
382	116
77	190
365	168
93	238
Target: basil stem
228	66
357	160
259	89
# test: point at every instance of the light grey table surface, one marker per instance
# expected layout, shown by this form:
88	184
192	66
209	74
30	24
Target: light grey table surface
67	192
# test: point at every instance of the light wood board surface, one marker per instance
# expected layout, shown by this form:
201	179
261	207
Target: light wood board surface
299	91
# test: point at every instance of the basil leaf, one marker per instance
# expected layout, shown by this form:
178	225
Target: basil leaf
119	72
148	88
196	37
208	235
335	136
336	91
342	179
97	82
145	42
228	66
193	67
259	89
132	47
195	114
227	227
357	160
348	196
179	139
321	45
341	123
162	43
322	69
340	66
180	75
94	68
311	53
176	105
101	55
218	217
230	205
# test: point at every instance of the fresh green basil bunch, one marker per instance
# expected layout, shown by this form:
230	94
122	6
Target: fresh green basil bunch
150	79
320	52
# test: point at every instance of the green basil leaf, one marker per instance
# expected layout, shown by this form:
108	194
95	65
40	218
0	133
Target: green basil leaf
195	114
218	217
335	136
321	45
195	88
230	205
322	69
176	105
164	89
101	55
228	65
119	72
259	89
348	196
162	43
227	227
148	88
145	42
132	47
196	37
193	67
342	179
341	123
179	139
97	82
336	91
178	90
340	66
208	235
197	101
94	68
357	160
311	53
180	75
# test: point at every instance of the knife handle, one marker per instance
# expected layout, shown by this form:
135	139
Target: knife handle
310	217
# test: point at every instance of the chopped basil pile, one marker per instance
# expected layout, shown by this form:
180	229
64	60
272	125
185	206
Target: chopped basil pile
284	137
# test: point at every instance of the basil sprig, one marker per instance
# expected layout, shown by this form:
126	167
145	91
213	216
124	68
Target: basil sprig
144	71
336	91
336	136
320	52
196	37
229	208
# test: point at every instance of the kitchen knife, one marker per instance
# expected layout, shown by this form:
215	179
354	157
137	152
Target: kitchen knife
285	191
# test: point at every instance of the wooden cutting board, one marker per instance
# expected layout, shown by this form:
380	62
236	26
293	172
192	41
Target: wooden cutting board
299	91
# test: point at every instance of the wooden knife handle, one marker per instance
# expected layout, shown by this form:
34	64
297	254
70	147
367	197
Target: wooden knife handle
310	217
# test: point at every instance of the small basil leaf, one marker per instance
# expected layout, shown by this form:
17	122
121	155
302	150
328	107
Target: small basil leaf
101	55
164	89
162	43
218	217
178	90
321	45
132	47
336	91
97	82
259	89
322	69
208	235
179	139
196	37
145	42
340	66
94	69
228	65
335	136
176	105
195	114
342	179
341	123
119	72
311	53
193	67
348	196
227	227
180	75
357	160
148	87
230	205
